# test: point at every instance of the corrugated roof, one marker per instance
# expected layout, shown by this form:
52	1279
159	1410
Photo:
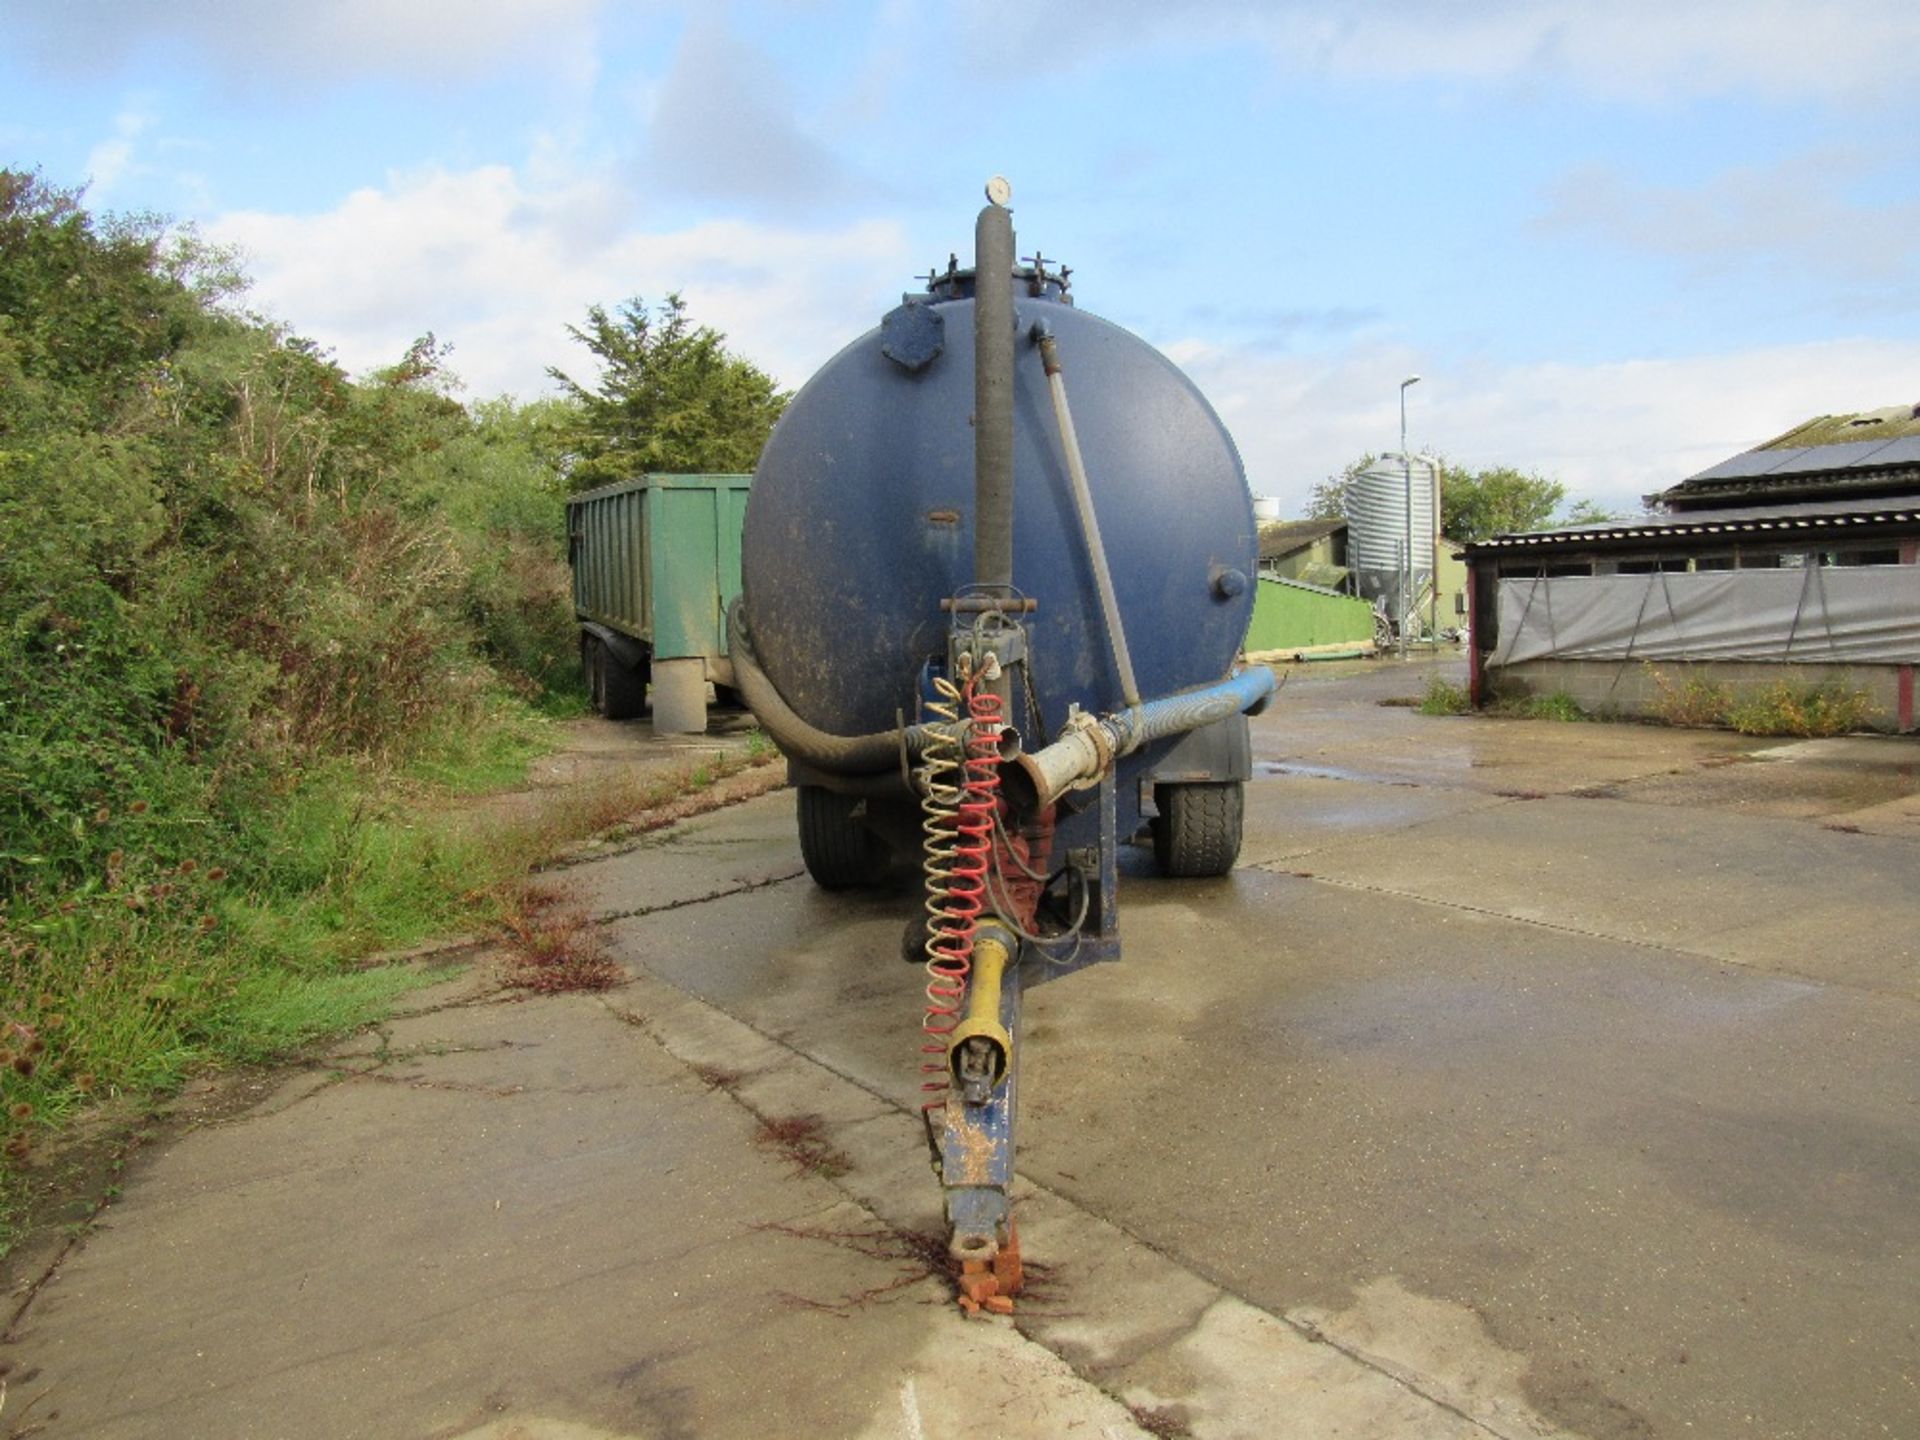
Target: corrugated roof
1280	538
1748	524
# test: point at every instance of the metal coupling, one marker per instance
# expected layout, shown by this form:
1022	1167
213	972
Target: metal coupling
980	1051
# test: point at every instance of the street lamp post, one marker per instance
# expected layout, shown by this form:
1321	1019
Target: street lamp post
1406	574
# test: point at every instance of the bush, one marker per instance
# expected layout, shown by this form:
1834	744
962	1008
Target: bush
245	601
1782	708
1778	707
1691	702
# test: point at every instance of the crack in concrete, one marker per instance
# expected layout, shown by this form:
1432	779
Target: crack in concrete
1404	1377
744	887
648	836
1307	1331
76	1237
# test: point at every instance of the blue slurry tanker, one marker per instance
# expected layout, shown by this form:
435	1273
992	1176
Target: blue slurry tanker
995	575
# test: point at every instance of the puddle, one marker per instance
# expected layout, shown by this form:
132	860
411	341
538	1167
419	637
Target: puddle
1326	772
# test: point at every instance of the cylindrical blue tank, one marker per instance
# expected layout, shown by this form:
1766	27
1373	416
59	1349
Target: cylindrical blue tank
860	519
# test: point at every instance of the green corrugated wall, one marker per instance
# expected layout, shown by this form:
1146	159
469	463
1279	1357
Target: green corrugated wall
1288	615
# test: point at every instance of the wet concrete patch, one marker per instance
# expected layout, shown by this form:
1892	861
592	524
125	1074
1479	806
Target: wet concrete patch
1292	812
1774	894
1814	779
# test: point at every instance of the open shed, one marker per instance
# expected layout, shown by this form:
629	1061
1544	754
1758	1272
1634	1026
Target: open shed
1795	560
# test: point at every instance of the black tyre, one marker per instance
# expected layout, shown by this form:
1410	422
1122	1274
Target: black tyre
1197	833
593	668
840	853
623	688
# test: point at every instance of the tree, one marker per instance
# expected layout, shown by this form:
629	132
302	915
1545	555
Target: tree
1328	500
1477	503
671	397
1589	512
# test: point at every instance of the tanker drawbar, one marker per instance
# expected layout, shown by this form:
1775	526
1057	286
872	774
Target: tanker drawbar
995	576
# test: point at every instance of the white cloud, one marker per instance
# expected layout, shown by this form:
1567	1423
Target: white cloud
109	161
1612	432
500	266
1798	214
1635	49
266	45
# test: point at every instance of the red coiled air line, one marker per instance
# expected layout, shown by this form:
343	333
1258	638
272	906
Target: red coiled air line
950	950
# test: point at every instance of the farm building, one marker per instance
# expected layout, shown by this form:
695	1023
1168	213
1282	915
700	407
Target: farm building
1795	561
1311	550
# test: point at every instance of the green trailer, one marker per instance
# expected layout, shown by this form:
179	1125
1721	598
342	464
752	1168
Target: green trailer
656	562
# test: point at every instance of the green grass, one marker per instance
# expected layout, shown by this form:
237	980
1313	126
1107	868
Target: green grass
273	1012
1555	705
1443	697
151	967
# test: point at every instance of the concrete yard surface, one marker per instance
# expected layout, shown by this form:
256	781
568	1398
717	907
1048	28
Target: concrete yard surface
1525	1080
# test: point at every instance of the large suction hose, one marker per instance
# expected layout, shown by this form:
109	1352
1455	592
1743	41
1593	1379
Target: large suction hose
1088	746
837	754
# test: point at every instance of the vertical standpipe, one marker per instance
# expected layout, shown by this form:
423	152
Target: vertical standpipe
993	397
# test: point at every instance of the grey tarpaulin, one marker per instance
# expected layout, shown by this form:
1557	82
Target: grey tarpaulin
1854	614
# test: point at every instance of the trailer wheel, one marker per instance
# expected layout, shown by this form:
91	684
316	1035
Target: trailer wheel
1197	832
617	692
623	688
593	671
840	853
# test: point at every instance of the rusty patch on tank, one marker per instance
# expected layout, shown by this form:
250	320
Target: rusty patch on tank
947	518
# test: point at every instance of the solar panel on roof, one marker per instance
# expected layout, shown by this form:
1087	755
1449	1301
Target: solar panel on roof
1904	451
1748	462
1818	458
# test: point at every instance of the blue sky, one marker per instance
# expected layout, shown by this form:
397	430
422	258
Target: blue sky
1619	240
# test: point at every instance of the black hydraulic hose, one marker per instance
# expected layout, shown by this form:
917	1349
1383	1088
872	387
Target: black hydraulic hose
837	754
993	397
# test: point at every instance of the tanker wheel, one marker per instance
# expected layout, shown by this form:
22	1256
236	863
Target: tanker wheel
622	693
1197	832
840	853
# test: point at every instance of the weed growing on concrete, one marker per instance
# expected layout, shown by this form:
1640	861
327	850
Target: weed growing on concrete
1555	705
1165	1421
1779	707
1443	697
717	1077
1810	710
1690	701
553	947
920	1255
802	1141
